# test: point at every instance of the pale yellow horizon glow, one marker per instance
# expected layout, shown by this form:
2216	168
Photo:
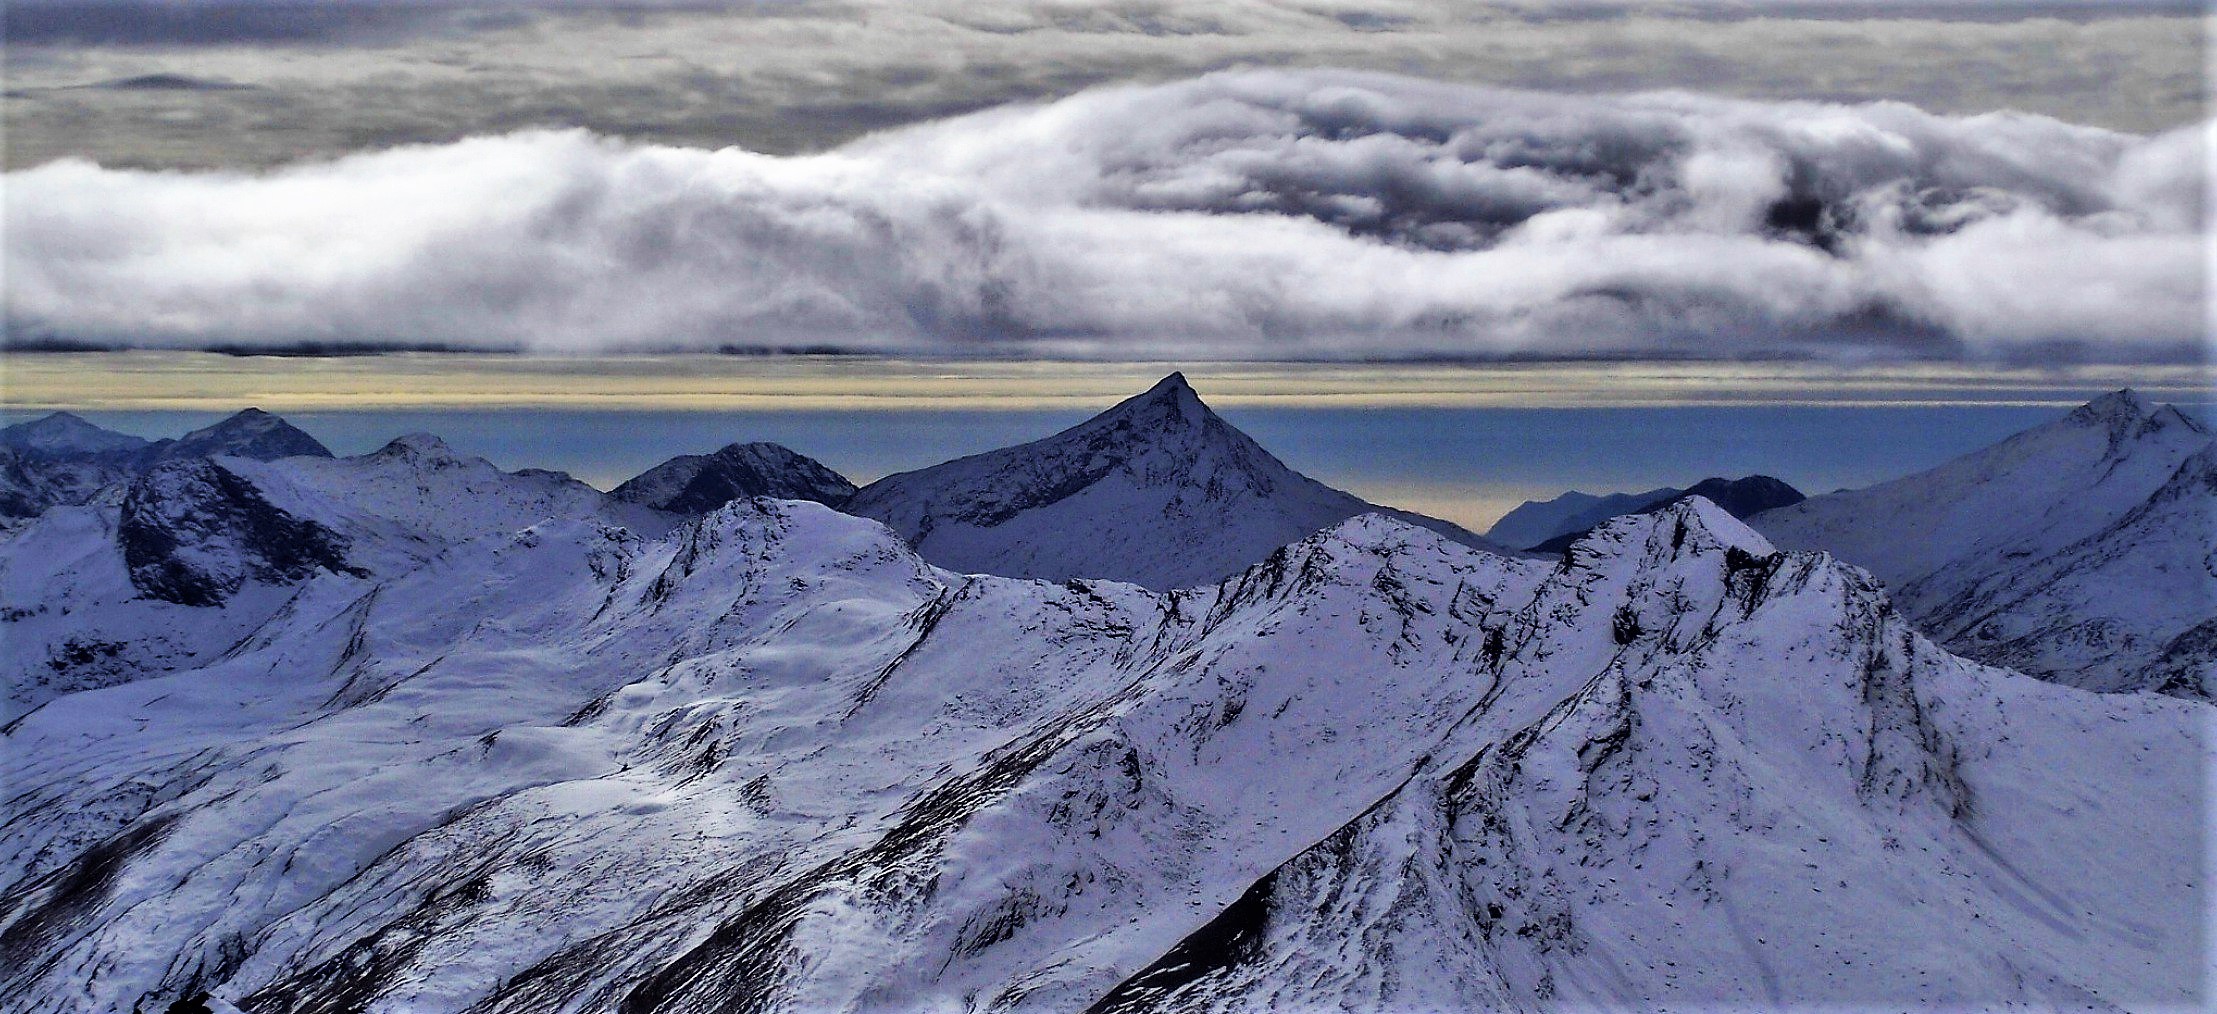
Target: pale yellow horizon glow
146	380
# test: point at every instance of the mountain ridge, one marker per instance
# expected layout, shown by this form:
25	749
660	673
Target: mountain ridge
1742	498
1983	548
776	758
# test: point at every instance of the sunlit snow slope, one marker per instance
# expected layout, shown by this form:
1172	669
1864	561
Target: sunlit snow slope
774	761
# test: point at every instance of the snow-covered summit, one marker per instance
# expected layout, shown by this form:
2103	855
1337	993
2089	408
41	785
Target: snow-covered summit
61	459
698	483
192	554
1975	548
249	433
1158	490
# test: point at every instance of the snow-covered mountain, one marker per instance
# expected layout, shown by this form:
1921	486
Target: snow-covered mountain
249	433
1535	521
699	483
1158	491
67	435
184	560
61	459
2083	550
1743	497
776	762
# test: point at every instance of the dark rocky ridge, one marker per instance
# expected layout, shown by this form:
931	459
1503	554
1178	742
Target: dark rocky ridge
699	483
192	532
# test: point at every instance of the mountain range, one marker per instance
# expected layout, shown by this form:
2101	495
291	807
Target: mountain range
1742	498
60	459
2082	551
405	732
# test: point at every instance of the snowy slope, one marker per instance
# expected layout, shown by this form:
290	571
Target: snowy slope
1771	793
184	560
776	762
2127	608
1158	491
2077	550
699	483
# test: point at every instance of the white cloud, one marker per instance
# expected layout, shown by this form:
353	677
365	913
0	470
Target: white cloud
1258	213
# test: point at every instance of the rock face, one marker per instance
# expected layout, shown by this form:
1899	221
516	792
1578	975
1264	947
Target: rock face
774	761
192	532
2080	551
695	484
1742	498
1158	491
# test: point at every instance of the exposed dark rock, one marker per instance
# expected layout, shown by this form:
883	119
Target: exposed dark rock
193	531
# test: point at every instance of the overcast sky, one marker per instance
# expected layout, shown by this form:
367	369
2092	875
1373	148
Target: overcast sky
227	83
1387	178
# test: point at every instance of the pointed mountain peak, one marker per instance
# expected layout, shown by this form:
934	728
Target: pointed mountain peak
2120	406
2126	416
1694	523
1170	400
2169	415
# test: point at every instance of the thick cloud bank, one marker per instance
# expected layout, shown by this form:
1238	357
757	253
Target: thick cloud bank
1241	214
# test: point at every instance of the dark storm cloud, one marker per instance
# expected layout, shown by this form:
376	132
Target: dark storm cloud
1259	213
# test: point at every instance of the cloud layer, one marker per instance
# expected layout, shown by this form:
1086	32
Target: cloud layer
322	79
1250	214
